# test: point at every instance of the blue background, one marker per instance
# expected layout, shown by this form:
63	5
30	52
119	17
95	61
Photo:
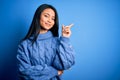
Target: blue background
95	35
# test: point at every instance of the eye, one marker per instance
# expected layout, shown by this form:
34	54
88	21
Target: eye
46	15
53	18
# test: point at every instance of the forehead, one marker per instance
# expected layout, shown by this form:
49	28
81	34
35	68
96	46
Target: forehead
49	11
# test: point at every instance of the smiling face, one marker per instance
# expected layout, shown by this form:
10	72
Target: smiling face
47	19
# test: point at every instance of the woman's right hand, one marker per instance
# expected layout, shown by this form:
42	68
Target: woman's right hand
60	72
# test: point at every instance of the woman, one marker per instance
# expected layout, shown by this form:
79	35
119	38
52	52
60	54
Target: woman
42	55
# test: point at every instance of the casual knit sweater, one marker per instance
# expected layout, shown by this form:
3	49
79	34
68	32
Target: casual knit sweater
42	59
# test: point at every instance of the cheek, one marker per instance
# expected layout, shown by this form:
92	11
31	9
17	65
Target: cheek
53	22
42	21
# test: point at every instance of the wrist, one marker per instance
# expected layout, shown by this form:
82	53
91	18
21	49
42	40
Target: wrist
65	39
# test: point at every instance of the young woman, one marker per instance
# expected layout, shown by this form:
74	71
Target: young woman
42	54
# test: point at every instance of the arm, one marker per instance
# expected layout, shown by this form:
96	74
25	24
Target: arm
27	71
64	58
65	53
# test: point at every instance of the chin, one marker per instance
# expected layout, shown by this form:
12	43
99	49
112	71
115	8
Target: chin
48	28
45	27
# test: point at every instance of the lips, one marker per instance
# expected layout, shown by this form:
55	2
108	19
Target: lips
47	24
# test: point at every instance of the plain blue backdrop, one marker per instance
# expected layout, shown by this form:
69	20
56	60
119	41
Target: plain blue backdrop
95	35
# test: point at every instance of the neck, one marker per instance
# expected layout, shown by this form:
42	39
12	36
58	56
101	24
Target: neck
42	31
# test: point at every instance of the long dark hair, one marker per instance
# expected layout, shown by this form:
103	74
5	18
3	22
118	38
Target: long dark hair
35	25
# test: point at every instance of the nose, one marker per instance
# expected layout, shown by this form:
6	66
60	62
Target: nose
49	20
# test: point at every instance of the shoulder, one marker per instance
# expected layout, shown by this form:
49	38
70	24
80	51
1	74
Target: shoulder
55	39
24	43
61	38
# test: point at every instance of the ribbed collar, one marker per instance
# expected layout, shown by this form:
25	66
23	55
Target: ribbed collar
45	35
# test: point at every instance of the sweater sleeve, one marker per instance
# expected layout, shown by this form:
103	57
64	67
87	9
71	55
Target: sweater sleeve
29	72
65	54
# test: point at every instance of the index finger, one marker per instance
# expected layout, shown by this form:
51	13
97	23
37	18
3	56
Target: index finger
71	25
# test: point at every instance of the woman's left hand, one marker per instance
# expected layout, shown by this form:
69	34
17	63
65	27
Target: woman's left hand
66	32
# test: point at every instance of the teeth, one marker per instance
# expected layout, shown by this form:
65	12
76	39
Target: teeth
47	24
